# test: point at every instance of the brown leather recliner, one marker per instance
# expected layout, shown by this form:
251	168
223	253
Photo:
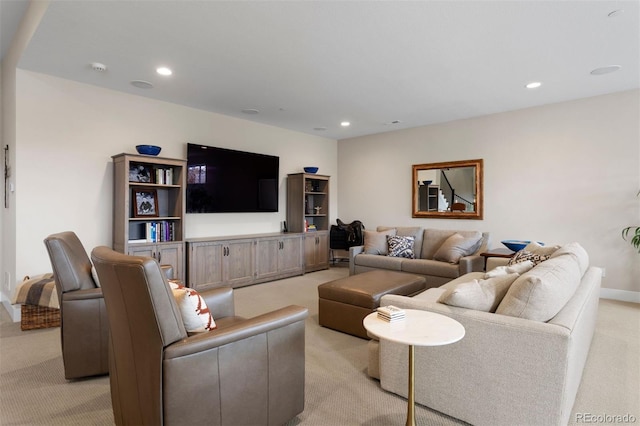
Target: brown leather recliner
245	372
84	332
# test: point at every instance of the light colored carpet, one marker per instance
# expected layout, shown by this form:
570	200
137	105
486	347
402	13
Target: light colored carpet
338	392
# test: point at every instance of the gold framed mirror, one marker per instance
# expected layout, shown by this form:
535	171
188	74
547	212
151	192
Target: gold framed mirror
448	190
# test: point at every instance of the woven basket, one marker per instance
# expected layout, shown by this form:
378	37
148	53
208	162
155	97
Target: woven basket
34	316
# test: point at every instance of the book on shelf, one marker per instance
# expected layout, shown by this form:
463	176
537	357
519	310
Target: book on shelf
138	241
308	205
391	313
151	232
158	232
164	176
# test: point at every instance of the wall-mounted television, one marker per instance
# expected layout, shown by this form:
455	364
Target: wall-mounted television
221	180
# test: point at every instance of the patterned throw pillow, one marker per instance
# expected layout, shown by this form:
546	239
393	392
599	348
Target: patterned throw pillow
524	255
194	311
401	247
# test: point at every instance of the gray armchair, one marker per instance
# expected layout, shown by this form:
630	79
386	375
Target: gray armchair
84	332
245	372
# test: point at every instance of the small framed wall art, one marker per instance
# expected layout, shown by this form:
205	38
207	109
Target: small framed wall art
140	173
146	203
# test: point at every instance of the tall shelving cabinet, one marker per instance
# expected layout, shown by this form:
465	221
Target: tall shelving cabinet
308	212
149	208
428	197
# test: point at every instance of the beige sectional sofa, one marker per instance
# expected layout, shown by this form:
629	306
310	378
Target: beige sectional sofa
522	357
438	255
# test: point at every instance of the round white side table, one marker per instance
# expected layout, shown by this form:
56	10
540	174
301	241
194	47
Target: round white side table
418	328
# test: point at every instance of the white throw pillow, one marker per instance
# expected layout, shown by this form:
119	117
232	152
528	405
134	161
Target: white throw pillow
534	247
518	268
194	311
577	252
479	295
376	242
430	295
456	247
542	292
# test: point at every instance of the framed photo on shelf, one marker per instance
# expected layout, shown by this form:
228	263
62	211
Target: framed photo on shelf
140	173
146	203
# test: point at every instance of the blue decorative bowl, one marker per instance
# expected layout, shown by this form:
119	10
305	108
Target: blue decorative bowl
517	245
148	149
310	169
427	182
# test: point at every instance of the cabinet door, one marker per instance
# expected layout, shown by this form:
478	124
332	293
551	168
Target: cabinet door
239	262
165	254
316	251
322	251
205	265
309	252
172	254
148	250
267	257
290	259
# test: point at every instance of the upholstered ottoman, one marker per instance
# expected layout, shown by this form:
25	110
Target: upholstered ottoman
344	303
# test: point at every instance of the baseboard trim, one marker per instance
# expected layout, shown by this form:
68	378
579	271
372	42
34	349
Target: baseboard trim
622	295
13	310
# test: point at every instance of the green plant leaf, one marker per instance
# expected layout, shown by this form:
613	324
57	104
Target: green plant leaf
635	238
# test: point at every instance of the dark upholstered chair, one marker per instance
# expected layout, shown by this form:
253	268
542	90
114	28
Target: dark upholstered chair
458	207
245	372
84	331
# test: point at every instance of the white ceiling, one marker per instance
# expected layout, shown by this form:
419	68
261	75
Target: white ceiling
310	64
11	12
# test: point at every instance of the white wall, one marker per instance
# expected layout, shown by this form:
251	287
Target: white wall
4	278
558	173
23	35
67	133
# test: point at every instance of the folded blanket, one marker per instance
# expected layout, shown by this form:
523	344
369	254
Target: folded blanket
39	290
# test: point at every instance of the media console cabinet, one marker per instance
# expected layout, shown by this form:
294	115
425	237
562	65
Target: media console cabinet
241	260
149	212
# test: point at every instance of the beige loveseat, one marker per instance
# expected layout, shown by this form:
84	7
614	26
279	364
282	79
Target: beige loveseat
519	365
440	255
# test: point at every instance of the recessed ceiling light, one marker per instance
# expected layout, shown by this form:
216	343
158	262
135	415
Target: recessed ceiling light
533	85
605	70
250	111
164	71
141	84
345	124
97	66
615	13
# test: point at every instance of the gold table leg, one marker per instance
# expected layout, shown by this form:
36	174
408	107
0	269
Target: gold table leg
411	402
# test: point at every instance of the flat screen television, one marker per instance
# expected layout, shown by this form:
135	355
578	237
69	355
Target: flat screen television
221	180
